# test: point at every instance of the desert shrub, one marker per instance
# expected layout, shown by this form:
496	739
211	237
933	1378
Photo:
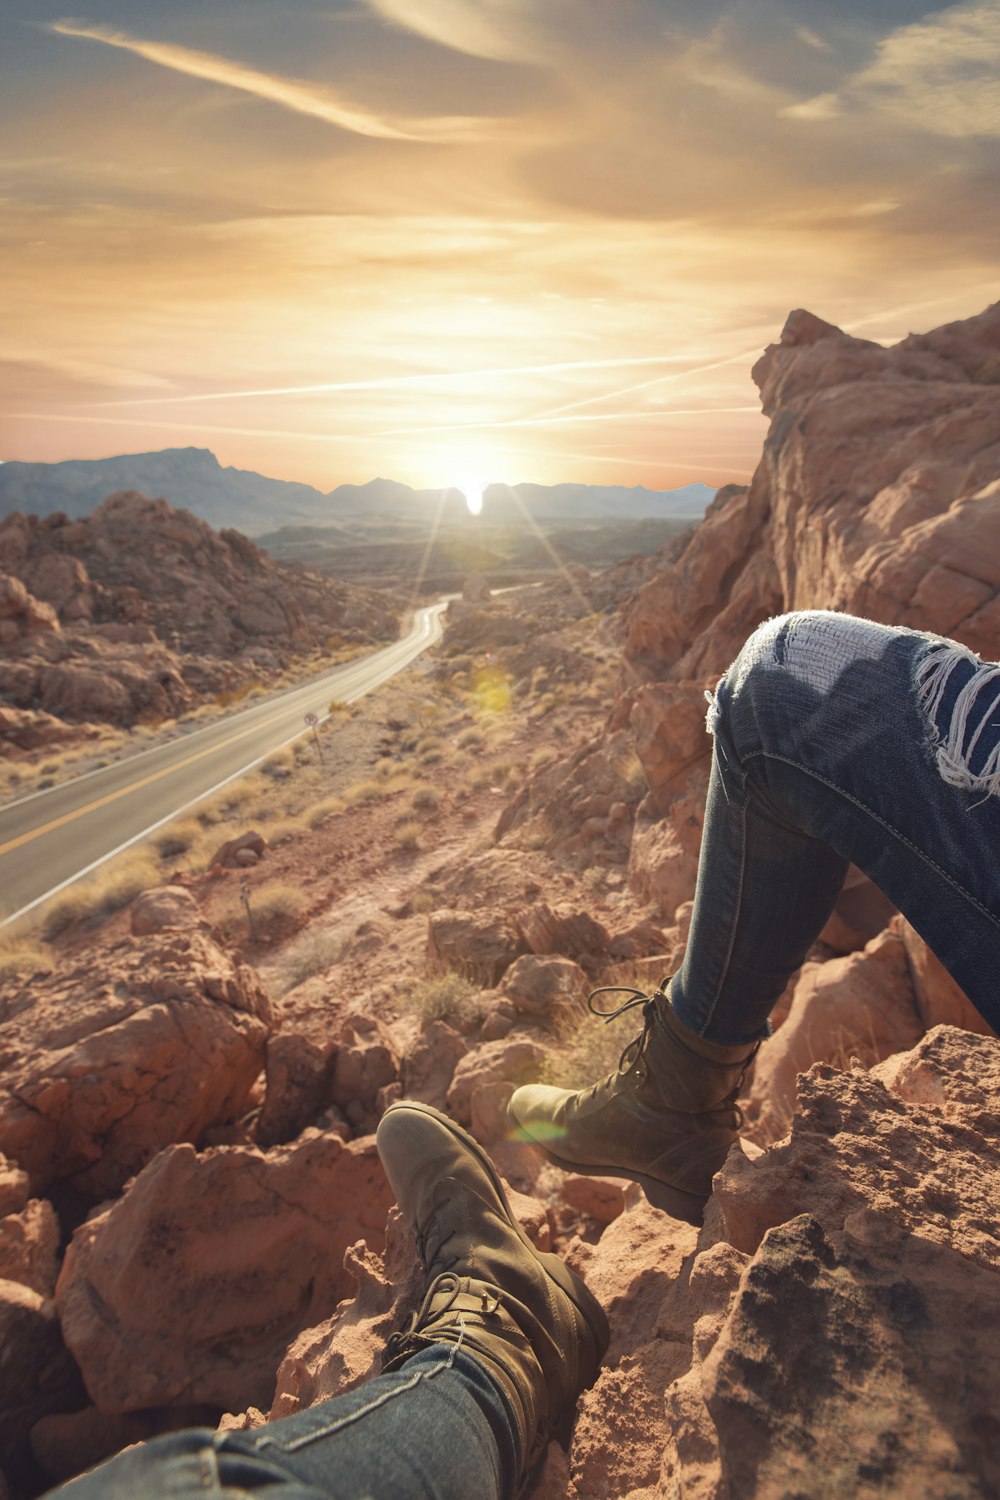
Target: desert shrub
426	799
422	902
108	889
408	835
587	1048
315	950
275	908
280	830
449	998
363	792
630	770
320	811
177	838
478	781
431	757
470	739
280	766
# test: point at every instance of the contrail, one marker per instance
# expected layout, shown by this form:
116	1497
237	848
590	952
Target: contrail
390	382
302	98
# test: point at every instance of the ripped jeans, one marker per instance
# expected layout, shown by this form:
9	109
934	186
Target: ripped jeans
836	741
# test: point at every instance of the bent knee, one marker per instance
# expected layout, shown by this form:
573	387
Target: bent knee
813	646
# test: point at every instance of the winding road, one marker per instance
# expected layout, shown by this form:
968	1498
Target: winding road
51	838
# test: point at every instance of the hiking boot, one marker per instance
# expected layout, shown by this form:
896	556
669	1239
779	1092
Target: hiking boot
523	1314
666	1119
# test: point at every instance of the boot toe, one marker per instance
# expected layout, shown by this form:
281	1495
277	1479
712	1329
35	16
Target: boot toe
536	1111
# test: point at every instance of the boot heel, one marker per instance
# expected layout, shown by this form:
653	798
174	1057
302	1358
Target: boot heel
689	1207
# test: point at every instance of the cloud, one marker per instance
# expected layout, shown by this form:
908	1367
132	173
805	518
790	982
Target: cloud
500	29
940	76
301	98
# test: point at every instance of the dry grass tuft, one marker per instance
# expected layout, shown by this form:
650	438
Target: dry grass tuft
108	889
23	955
448	998
311	953
408	835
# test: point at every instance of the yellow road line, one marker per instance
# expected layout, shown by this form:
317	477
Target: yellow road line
134	786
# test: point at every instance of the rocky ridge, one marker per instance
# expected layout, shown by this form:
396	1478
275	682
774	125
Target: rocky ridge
140	612
829	1329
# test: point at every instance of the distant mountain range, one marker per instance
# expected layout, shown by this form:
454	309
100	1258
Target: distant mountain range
253	504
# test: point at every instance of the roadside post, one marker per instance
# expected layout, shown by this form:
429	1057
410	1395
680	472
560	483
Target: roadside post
312	721
245	898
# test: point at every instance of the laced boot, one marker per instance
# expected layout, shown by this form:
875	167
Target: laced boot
665	1119
525	1315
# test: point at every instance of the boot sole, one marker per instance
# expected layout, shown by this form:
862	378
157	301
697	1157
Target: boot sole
583	1300
688	1207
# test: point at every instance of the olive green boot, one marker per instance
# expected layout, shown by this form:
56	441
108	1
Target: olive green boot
666	1118
525	1315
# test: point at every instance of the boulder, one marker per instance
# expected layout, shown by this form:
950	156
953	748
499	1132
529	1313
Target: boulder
566	930
545	986
191	1286
228	854
161	907
480	945
508	1061
29	1246
123	1050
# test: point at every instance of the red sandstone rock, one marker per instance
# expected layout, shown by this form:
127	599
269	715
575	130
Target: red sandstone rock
157	611
544	986
36	1373
600	1198
510	1061
190	1287
429	1065
940	1001
163	906
111	1057
481	945
861	1006
228	853
29	1244
297	1089
564	930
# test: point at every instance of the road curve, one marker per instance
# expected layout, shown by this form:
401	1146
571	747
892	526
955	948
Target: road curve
52	838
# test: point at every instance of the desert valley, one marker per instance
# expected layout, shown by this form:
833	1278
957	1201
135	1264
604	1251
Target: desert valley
199	1039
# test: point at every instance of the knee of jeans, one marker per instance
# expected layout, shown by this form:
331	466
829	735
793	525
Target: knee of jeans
812	646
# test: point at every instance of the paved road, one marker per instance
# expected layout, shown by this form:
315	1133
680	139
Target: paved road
51	838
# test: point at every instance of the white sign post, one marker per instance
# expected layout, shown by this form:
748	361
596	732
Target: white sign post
312	721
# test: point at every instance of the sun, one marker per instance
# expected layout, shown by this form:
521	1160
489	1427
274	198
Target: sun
472	488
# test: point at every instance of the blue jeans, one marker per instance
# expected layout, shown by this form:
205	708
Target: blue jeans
838	740
438	1428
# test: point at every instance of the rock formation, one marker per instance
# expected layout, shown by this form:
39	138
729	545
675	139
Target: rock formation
139	611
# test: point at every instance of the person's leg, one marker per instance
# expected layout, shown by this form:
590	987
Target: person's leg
839	740
489	1368
383	1439
836	740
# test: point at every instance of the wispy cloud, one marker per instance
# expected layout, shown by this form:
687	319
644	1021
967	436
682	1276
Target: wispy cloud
301	98
500	29
940	75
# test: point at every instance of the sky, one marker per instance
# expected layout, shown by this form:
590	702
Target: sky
460	241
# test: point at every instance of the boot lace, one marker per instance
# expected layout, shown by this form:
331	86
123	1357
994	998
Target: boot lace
409	1339
637	1046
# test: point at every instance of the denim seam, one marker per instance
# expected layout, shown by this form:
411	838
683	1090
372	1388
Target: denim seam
331	1429
736	915
956	885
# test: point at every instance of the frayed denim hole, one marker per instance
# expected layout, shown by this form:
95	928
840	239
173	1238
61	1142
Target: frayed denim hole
959	695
